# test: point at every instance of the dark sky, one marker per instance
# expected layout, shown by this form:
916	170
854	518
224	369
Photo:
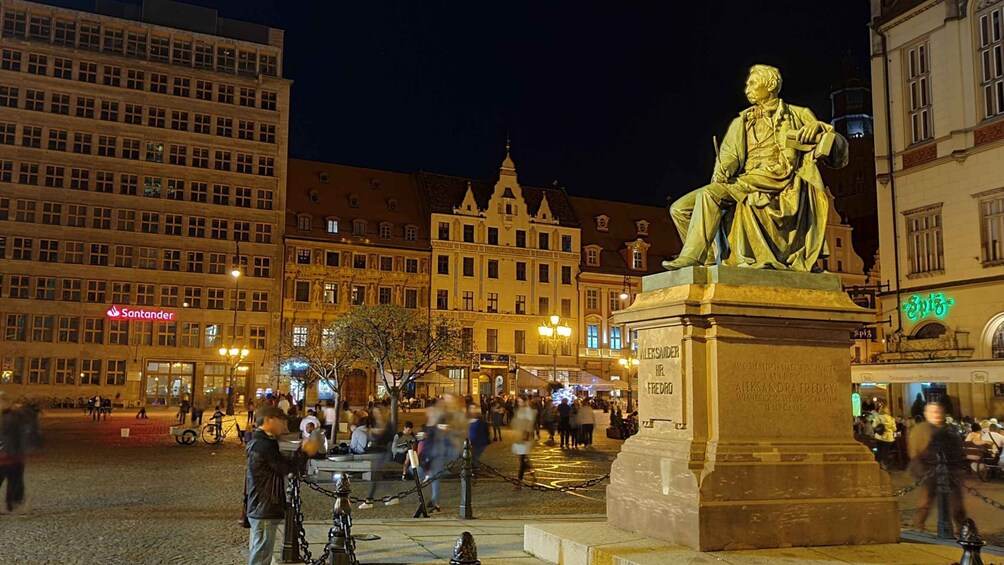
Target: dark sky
616	99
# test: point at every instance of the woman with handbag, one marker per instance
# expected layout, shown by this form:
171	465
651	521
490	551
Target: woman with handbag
885	435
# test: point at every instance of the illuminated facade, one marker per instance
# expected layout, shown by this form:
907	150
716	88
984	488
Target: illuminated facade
353	236
941	201
141	163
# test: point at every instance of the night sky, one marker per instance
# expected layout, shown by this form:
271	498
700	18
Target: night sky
615	99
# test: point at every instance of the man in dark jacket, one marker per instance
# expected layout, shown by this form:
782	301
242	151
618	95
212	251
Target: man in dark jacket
927	441
266	480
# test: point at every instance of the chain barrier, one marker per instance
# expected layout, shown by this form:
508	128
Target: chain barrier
538	487
977	493
451	467
914	486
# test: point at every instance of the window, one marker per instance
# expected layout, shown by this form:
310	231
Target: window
443	264
442	300
520	238
492	340
493	236
543	240
269	100
359	227
593	256
493	268
57	140
10	60
615	338
919	86
991	71
359	261
332	258
193	297
112	76
924	243
468	233
992	224
592	299
592	336
22	248
94	330
543	306
300	336
214	299
301	291
158	83
257	337
493	302
221	194
48	252
245	130
74	251
8	96
520	304
38	371
520	271
225	62
444	231
385	230
302	256
386	263
31	137
262	267
66	371
384	295
87	72
266	133
637	259
331	293
62	68
167	334
222	161
566	307
468	266
566	274
34	100
566	243
201	123
60	104
411	265
544	273
410	233
358	295
468	300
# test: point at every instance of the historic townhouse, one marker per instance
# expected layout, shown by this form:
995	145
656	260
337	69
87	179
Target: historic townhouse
353	236
938	97
142	160
505	257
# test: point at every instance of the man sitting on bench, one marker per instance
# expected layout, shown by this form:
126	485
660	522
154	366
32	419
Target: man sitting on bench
360	439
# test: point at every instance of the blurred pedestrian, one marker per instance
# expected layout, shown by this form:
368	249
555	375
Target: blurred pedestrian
283	404
522	425
250	409
19	433
183	410
928	441
587	421
311	418
197	408
265	481
94	406
498	414
404	442
885	435
477	433
565	423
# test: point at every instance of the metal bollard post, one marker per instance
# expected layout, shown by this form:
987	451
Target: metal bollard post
291	529
341	549
465	551
941	495
971	542
467	482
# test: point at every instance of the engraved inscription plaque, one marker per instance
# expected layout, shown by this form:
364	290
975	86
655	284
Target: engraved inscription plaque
660	377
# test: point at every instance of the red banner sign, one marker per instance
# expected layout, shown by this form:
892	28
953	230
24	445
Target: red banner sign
126	313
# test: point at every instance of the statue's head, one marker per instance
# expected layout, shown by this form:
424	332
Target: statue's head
763	84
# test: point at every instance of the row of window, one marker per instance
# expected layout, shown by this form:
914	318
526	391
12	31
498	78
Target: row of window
467	269
135	114
51	213
47	328
142	294
108	182
360	261
129	257
62	371
385	230
492	303
139	44
82	143
543	347
328	293
925	241
492	237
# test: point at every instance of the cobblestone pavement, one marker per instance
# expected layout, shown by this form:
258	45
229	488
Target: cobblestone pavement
97	497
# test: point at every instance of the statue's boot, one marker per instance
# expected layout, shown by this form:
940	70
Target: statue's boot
680	262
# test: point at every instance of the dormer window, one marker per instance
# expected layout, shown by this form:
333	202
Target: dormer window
385	230
353	201
602	223
593	256
642	227
410	233
359	227
637	259
331	225
303	222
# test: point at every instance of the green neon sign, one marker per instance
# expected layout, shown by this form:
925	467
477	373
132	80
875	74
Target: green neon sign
935	304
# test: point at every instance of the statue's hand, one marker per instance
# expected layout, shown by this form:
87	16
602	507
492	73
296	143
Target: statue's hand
809	132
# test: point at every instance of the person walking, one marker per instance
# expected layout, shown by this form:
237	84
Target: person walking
283	404
477	433
265	480
564	422
95	408
522	424
587	421
498	414
576	433
885	436
183	410
928	441
250	409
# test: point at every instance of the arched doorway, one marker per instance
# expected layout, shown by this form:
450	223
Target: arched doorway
356	388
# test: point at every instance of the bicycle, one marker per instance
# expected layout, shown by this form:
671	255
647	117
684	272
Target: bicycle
213	433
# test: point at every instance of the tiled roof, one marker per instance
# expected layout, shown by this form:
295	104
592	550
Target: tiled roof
621	228
443	193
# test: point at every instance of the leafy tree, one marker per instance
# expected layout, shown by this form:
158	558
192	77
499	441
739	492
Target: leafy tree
402	344
322	355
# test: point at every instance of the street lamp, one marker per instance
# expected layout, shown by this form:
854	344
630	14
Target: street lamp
630	364
553	332
234	354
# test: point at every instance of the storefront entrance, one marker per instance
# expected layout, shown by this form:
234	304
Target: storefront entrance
355	389
166	383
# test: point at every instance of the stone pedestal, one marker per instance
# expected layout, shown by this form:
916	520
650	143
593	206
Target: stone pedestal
745	418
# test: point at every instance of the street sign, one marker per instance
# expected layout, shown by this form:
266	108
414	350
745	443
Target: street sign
867	332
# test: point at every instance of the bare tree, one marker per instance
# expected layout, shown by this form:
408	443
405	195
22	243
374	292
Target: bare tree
403	344
321	354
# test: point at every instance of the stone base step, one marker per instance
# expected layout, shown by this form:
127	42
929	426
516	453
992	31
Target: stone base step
596	543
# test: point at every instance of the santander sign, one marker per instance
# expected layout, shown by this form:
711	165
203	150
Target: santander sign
124	313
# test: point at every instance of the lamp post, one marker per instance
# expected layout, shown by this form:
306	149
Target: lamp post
235	353
555	334
630	364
